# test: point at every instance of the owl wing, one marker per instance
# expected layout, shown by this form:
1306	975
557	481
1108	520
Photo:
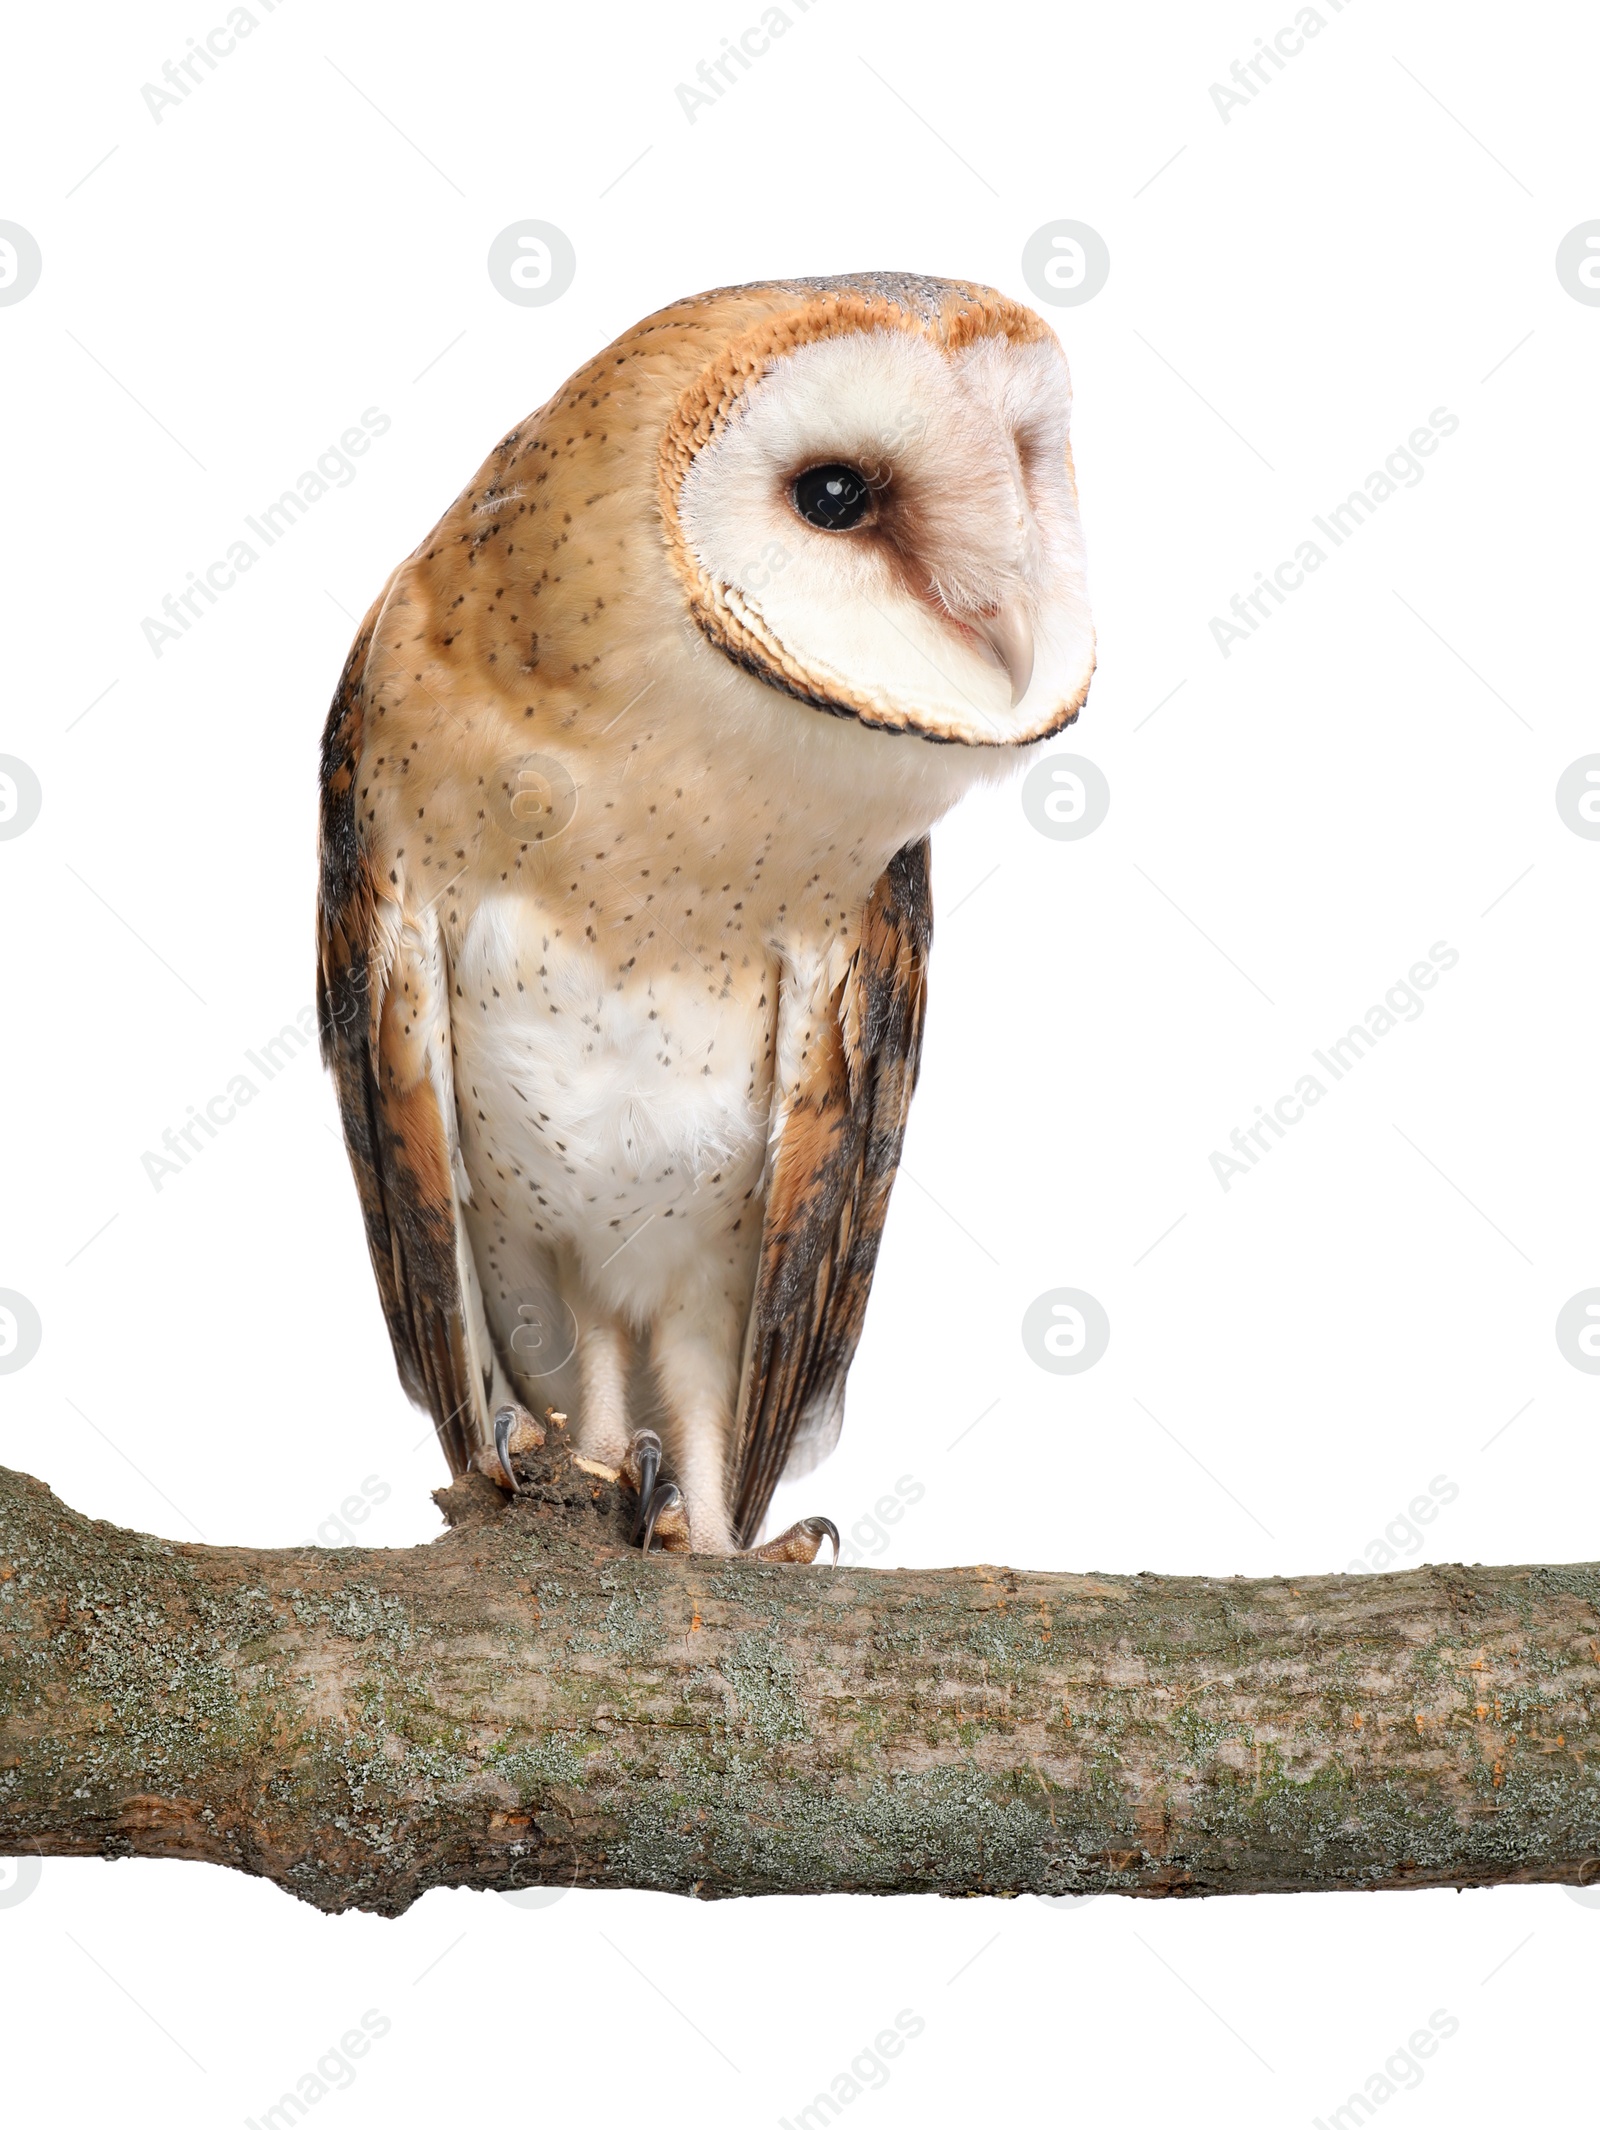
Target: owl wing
835	1164
383	1015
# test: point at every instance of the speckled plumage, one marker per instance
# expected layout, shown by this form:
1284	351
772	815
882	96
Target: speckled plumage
625	915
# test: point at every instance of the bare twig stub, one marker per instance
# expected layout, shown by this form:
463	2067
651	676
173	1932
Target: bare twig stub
528	1702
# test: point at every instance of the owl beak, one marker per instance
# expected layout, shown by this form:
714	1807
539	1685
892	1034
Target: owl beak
1007	636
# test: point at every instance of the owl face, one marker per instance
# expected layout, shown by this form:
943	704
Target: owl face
880	519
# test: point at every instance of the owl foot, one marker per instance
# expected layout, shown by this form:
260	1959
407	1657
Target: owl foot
666	1519
801	1543
662	1517
639	1470
661	1513
516	1432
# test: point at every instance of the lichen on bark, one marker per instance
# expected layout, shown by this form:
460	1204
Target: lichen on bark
529	1701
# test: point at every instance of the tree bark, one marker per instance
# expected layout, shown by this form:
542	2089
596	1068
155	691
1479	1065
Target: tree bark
528	1702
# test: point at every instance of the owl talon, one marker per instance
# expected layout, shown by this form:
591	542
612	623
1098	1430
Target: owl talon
516	1432
504	1421
639	1470
667	1518
801	1543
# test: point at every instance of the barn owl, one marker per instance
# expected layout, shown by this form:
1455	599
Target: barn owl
624	911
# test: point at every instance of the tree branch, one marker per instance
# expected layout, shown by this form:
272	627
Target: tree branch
526	1701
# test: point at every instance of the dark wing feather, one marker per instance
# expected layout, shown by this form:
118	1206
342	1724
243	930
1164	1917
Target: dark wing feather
829	1194
393	1128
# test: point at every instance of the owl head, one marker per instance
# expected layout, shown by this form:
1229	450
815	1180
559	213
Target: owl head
868	497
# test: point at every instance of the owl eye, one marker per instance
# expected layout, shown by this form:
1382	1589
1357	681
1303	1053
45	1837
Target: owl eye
833	498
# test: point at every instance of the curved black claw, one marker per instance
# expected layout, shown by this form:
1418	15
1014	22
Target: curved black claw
664	1500
801	1543
643	1465
504	1421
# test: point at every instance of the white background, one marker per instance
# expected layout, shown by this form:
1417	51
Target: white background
1373	771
